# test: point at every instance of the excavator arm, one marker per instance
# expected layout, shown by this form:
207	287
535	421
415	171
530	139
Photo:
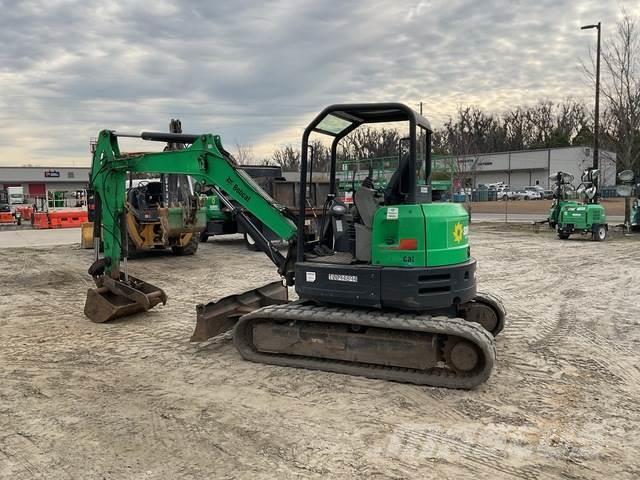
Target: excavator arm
118	294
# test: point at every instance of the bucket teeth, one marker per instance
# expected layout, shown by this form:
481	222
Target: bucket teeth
119	298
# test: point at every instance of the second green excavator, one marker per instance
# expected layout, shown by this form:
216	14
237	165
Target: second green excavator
386	287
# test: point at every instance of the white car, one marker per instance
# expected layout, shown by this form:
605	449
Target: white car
503	190
528	194
535	189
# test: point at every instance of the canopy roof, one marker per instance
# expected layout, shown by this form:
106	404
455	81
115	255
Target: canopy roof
339	118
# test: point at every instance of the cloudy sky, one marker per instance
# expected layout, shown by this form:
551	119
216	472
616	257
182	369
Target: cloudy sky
256	71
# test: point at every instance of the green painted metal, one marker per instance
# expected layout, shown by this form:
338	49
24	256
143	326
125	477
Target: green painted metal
556	208
203	161
213	209
439	229
582	216
441	185
447	233
391	224
350	171
176	221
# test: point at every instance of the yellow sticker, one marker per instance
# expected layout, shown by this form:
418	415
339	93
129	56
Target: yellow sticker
458	231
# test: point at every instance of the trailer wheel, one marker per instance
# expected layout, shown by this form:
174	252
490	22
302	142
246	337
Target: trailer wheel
204	236
599	234
250	243
563	236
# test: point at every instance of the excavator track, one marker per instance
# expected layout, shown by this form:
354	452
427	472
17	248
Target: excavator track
438	351
487	310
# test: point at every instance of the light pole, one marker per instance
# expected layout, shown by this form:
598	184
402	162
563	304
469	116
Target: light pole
596	126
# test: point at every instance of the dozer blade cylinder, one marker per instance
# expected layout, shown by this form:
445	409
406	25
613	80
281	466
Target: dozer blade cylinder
117	299
220	316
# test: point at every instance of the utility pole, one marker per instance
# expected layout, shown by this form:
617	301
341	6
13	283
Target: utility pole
596	126
420	108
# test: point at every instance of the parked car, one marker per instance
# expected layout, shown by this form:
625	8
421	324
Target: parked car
548	194
536	188
525	194
503	192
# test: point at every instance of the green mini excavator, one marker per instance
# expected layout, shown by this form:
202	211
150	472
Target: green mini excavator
386	288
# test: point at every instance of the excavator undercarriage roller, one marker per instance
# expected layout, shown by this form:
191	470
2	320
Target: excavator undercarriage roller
422	349
447	349
485	309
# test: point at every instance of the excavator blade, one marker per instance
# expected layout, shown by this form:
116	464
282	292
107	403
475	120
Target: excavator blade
221	315
119	298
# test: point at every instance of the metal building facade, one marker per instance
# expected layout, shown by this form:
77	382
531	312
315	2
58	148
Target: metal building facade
530	167
40	182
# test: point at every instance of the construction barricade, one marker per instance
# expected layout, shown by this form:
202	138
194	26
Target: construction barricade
40	220
67	218
7	218
25	212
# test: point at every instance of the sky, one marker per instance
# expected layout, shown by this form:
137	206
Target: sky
256	72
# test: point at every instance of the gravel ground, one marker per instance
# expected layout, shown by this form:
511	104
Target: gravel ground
135	400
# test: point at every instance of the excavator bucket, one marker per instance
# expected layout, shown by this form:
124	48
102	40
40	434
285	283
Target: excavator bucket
221	315
120	298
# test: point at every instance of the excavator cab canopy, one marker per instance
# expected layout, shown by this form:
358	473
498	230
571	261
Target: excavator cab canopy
414	151
339	120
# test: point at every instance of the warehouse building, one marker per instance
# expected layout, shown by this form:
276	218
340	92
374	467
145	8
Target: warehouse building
529	167
58	186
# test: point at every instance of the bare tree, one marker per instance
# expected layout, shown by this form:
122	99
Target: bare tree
620	89
287	157
369	142
543	125
515	128
243	153
471	131
321	156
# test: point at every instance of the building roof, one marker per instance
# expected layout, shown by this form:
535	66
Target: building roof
44	174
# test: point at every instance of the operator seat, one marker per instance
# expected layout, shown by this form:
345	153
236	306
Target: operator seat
132	198
367	201
393	194
153	193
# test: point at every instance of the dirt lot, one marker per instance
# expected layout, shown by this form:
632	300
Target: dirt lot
136	400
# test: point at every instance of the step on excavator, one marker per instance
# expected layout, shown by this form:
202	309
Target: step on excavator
386	290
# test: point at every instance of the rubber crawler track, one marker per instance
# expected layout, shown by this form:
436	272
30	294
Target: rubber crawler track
495	303
437	377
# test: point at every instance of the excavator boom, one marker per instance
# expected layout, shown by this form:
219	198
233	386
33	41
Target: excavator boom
205	160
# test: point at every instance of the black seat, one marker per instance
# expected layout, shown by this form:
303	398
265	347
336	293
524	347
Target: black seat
393	194
153	193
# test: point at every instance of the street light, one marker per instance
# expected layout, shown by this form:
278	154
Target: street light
597	113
